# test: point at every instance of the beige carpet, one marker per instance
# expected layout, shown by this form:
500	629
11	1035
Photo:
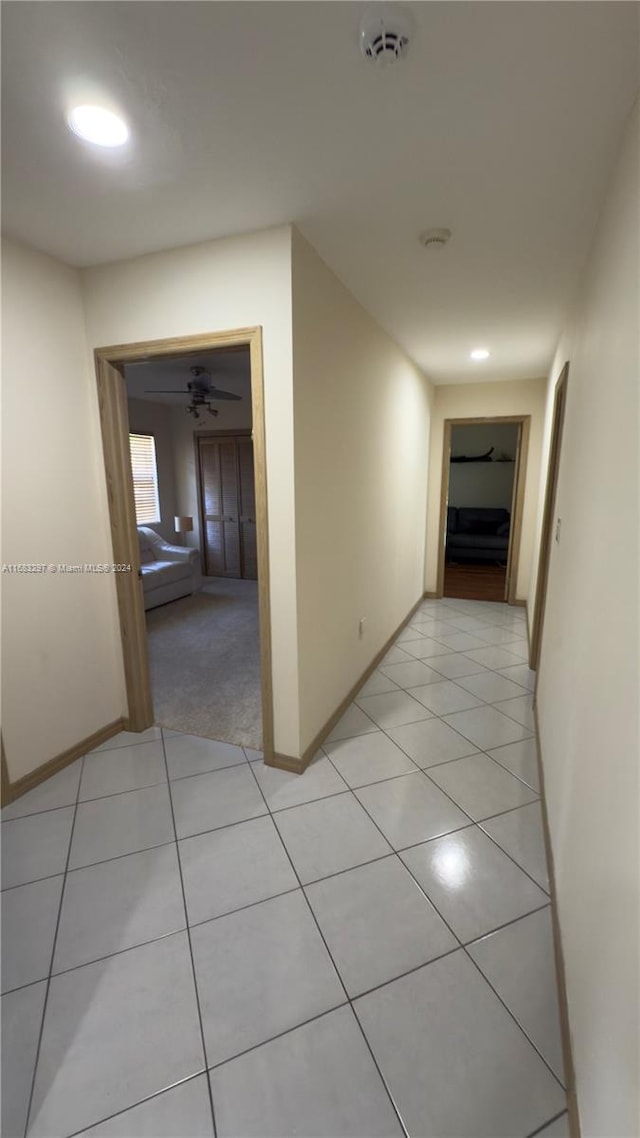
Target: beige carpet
205	663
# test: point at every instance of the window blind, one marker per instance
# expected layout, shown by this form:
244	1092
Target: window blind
145	479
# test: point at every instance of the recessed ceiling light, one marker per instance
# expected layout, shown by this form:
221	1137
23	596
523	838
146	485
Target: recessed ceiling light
97	125
480	354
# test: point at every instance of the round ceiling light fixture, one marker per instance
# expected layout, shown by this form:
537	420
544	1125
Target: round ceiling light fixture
98	125
385	31
480	354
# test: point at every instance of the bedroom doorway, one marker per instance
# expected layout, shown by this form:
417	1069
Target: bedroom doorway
194	491
484	463
146	618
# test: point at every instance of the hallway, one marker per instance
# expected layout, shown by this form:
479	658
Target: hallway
364	950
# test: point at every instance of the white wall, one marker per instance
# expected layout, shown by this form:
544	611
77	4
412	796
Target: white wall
362	418
588	681
223	285
471	400
477	438
62	671
148	418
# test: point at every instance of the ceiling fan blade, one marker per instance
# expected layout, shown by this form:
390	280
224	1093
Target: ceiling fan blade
215	393
204	392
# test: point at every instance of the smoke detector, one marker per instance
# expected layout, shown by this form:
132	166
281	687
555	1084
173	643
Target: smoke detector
385	31
434	238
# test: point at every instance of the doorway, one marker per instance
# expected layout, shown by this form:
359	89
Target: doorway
194	492
112	366
484	463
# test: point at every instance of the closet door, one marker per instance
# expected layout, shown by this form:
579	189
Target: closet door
247	503
230	516
219	490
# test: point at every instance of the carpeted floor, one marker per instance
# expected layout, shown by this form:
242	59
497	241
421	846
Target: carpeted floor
204	657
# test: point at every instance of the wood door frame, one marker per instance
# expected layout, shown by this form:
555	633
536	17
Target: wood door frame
544	557
239	433
114	422
517	497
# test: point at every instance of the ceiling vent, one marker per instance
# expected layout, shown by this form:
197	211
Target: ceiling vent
434	238
384	34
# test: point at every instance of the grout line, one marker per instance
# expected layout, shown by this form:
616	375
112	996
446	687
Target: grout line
477	751
477	823
129	790
496	843
52	957
163	936
513	921
409	723
309	801
118	857
506	924
542	1128
359	865
472	821
105	956
408	972
241	821
189	942
214	770
33	881
517	1021
120	746
149	1098
271	814
519	777
34	814
120	793
463	946
278	1035
272	897
337	972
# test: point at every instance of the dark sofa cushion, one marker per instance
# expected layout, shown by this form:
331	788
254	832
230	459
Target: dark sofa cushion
452	519
481	519
471	541
503	530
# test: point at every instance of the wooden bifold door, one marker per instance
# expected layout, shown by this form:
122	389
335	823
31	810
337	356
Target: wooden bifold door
227	505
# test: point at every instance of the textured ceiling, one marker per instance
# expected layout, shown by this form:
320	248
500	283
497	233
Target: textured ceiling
502	124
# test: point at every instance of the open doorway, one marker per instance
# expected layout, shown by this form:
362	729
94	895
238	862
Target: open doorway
198	633
190	421
482	496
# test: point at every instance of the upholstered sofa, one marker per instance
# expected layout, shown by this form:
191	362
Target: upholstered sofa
477	533
168	571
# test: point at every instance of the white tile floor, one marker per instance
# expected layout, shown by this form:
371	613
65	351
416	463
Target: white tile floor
197	945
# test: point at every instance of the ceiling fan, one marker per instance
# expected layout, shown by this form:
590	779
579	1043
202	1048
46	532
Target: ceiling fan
202	391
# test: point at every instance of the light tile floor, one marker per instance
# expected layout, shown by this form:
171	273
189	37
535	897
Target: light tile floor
197	945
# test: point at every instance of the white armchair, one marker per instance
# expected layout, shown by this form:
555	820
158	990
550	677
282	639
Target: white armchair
168	571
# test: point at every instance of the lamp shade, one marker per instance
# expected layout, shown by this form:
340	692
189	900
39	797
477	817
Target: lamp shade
182	524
